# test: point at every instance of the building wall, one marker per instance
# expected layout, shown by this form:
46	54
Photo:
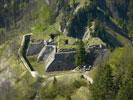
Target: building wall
35	48
63	61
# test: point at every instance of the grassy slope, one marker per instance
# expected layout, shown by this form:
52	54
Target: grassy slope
62	88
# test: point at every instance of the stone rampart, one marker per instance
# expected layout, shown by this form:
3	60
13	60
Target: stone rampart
35	48
62	61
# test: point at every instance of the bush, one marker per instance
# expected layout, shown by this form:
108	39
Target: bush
78	84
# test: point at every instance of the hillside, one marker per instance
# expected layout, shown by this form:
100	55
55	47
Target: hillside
94	22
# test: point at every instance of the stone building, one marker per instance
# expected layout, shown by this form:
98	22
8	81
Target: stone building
58	60
53	60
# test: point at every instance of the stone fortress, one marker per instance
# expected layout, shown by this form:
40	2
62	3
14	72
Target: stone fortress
53	59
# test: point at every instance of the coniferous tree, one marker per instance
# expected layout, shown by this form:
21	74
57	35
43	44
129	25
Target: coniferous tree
126	90
80	54
102	88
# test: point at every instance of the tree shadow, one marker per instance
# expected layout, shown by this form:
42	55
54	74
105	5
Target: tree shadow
109	23
115	28
110	40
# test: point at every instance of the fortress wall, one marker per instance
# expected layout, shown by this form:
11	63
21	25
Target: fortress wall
63	61
35	48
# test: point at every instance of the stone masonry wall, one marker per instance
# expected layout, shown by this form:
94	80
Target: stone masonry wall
35	48
63	61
